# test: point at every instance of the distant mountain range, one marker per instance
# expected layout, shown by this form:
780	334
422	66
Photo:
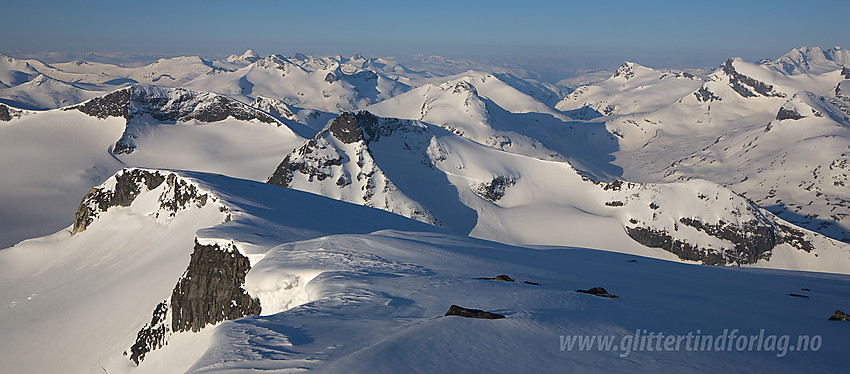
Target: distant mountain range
292	194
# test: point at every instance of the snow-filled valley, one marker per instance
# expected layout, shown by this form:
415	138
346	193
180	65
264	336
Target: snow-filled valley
293	213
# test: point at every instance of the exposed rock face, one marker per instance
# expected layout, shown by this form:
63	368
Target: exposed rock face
455	310
315	167
4	113
128	184
745	85
751	241
152	336
349	127
794	237
625	70
599	291
212	290
788	113
274	107
339	159
166	105
113	104
704	95
495	189
839	316
503	278
655	238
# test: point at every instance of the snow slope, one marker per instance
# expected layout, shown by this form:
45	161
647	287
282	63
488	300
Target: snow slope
485	109
354	289
334	86
43	92
780	139
56	156
433	175
812	60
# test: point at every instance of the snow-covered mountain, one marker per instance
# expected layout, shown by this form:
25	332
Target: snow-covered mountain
483	108
780	139
626	92
226	275
80	146
343	214
433	175
811	60
329	86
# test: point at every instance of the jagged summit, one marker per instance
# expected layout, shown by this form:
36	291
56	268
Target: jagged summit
142	106
626	70
169	104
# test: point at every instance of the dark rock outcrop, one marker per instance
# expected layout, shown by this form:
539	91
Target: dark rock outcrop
166	106
113	104
704	95
745	85
212	289
788	113
599	291
795	238
348	128
152	336
5	115
839	316
625	70
503	278
495	189
655	238
455	310
750	241
506	278
753	240
128	184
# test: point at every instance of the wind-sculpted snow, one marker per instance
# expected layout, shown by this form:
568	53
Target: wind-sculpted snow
489	203
211	290
341	287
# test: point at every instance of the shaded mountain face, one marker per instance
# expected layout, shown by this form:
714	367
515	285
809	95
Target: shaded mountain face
400	166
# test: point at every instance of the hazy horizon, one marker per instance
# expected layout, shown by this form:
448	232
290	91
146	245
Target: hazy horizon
654	33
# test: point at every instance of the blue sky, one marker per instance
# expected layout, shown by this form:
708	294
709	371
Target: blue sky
674	30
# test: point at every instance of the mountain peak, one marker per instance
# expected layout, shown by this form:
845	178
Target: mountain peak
464	87
626	70
810	60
